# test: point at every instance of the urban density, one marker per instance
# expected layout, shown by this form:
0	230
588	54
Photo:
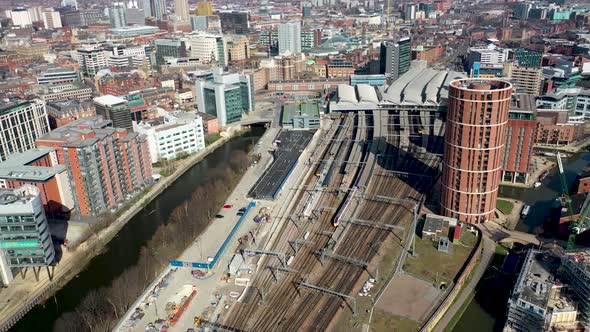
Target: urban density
310	165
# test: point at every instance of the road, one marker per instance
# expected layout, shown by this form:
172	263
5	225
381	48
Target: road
489	248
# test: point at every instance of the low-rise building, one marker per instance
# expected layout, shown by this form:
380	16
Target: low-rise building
172	135
301	116
25	240
65	92
63	112
556	128
58	76
114	109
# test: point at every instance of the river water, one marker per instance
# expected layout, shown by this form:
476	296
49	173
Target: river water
123	250
486	312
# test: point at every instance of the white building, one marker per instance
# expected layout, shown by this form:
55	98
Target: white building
208	48
490	54
24	232
181	10
91	60
71	3
20	125
51	19
290	37
118	17
20	17
172	134
410	12
583	104
58	76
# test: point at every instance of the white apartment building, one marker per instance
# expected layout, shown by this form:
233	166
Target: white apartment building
208	48
91	60
20	17
172	134
583	104
20	125
51	19
290	37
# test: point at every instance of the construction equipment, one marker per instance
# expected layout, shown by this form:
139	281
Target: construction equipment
577	225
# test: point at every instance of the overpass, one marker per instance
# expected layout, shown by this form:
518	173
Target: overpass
500	234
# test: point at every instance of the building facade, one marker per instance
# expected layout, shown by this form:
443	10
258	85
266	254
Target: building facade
20	125
209	48
118	17
234	22
169	48
394	58
474	147
289	37
91	60
25	240
181	10
58	76
115	109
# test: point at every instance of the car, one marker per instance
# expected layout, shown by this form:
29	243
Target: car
227	206
242	209
219	216
240	213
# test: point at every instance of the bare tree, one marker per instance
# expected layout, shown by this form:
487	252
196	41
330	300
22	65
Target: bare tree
69	322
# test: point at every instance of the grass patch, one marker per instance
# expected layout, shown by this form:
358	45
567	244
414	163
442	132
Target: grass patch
385	322
166	172
211	138
433	265
500	250
504	206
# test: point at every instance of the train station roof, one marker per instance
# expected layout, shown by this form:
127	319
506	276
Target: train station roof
417	87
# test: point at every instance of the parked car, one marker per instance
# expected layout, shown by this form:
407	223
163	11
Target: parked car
227	206
219	216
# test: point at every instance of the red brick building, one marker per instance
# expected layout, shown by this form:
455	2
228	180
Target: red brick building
428	54
474	146
555	128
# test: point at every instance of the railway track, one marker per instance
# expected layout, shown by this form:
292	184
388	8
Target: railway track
285	307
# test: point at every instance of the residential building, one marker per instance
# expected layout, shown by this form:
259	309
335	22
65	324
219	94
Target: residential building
474	145
172	135
395	58
51	19
521	133
525	79
304	116
521	10
106	165
65	92
157	9
289	37
428	54
118	17
25	240
556	128
225	96
181	10
91	60
58	76
311	38
209	48
169	48
204	8
539	300
20	17
410	12
39	167
61	113
576	271
233	22
20	125
114	109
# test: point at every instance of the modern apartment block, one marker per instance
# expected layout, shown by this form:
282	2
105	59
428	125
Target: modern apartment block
115	109
39	167
576	270
106	165
20	125
525	79
474	146
173	134
540	301
25	240
290	37
225	96
395	57
521	133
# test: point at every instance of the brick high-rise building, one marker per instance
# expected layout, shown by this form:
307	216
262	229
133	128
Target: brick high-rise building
474	148
105	165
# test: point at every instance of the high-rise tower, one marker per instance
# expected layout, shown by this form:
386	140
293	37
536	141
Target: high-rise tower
474	147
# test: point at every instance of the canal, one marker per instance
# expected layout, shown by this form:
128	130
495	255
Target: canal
486	311
123	250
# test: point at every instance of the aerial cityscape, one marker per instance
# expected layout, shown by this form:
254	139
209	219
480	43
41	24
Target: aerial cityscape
312	165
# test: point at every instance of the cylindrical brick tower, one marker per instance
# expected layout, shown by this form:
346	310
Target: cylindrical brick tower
474	146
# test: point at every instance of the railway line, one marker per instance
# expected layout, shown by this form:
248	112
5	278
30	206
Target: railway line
379	196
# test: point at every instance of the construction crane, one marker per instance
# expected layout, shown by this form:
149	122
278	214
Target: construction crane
577	225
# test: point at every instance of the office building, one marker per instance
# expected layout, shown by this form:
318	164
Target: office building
60	113
39	167
64	92
410	12
225	96
490	54
204	8
474	147
118	17
134	31
91	60
521	133
70	3
525	79
169	48
301	116
583	104
199	23
233	22
106	166
135	16
114	109
208	48
311	38
557	128
51	19
82	18
290	37
25	240
181	10
155	8
522	9
20	125
528	58
395	57
174	134
237	48
20	17
58	76
539	300
339	67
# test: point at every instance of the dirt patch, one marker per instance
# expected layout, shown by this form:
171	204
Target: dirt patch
408	297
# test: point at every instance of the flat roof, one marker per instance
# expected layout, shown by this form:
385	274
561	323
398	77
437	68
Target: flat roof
16	168
108	100
303	109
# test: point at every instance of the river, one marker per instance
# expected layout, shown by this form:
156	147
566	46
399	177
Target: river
487	310
123	250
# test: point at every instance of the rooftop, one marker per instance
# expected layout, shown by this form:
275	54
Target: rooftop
537	278
307	109
79	131
523	102
21	195
16	167
109	100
